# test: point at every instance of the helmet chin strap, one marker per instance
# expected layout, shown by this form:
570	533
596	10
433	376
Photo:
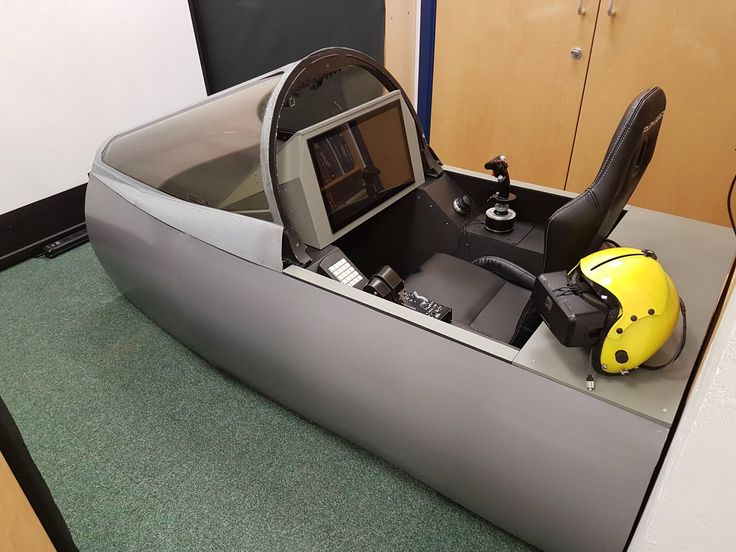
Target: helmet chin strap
680	347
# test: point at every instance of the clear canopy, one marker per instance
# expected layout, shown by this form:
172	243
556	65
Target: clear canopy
209	154
212	153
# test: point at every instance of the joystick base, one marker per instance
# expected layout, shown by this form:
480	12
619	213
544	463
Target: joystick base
500	220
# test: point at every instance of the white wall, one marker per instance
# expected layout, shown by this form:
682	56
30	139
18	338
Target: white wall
74	72
693	505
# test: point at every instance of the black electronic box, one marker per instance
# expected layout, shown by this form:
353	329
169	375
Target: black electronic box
414	301
572	310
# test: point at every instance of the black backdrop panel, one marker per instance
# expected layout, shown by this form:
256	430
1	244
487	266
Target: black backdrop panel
241	39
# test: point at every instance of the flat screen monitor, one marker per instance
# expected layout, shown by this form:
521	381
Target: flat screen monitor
362	162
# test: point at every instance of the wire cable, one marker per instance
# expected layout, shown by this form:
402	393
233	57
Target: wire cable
729	204
461	235
610	242
464	238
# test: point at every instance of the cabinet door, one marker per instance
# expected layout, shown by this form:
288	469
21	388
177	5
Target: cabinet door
688	48
400	43
505	82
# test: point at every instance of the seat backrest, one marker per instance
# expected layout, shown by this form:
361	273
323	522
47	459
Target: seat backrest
580	226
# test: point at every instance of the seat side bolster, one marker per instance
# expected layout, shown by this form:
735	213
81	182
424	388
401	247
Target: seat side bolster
507	270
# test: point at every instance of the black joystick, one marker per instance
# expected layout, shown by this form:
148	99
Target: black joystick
500	218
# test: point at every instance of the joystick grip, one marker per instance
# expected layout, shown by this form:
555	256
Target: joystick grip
500	168
497	164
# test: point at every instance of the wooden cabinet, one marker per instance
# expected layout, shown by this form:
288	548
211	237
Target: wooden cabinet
400	43
689	49
504	81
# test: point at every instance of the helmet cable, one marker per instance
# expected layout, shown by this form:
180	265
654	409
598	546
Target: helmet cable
728	204
611	243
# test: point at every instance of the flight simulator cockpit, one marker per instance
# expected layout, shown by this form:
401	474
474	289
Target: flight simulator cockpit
298	232
333	154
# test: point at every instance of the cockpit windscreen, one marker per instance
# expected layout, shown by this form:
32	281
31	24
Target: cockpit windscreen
361	163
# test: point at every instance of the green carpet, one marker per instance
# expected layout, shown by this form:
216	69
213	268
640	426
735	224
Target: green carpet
147	447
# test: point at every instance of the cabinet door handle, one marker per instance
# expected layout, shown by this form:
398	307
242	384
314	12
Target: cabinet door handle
611	11
581	7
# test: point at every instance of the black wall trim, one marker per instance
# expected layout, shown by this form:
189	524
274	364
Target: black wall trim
201	47
24	231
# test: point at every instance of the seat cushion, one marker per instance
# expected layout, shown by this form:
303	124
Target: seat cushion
499	317
480	300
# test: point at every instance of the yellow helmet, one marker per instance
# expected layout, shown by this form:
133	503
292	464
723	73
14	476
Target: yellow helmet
643	301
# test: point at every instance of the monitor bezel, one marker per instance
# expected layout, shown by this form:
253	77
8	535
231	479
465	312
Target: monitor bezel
299	185
336	225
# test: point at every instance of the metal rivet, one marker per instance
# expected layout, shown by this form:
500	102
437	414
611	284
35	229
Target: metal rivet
634	318
619	330
651	312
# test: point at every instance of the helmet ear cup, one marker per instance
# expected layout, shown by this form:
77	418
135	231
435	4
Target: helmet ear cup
601	295
614	312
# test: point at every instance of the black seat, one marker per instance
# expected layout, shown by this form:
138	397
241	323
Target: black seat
491	295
